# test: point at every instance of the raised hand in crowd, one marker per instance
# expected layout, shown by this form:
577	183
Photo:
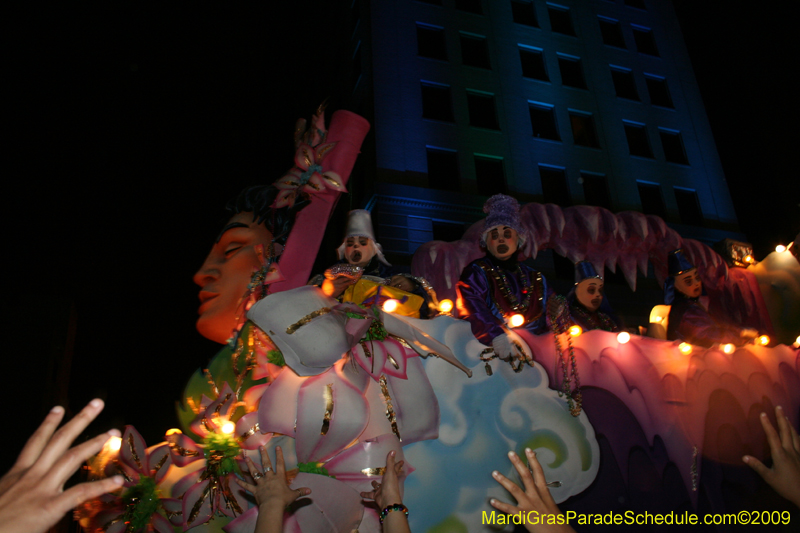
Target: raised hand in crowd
271	490
784	476
32	495
534	501
394	515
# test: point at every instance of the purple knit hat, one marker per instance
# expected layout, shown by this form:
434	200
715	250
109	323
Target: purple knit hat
502	210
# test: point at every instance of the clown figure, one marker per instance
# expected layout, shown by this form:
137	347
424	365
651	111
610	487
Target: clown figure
689	319
496	288
588	307
364	276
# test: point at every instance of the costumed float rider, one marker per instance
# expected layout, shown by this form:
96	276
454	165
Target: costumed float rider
689	319
588	306
363	275
496	287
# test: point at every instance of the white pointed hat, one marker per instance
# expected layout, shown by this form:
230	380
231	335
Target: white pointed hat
359	224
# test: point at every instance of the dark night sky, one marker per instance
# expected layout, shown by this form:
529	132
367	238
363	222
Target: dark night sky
128	128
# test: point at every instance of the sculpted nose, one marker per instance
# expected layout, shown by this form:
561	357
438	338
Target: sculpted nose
206	273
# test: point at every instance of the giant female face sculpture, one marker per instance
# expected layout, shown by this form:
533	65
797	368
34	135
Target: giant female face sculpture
224	276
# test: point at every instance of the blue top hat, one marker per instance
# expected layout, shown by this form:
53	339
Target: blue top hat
678	263
585	270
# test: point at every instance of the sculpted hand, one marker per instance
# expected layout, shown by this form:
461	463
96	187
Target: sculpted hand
534	498
784	476
271	490
32	495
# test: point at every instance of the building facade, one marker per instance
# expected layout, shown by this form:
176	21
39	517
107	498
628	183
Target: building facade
576	102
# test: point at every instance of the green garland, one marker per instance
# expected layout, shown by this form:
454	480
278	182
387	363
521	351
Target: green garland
217	445
314	468
142	500
276	358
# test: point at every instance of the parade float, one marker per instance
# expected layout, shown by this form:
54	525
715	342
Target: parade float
338	385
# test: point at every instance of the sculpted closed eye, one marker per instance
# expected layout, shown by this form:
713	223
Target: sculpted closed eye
233	249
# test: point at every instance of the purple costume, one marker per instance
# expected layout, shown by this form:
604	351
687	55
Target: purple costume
490	289
689	321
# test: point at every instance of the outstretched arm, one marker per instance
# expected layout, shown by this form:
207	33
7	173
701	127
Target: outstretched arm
784	476
387	496
271	490
32	495
533	497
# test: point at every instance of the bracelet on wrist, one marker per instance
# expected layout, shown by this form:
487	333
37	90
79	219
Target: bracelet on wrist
395	507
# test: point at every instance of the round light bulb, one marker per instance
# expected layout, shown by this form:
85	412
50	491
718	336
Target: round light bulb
445	306
575	330
114	444
728	348
658	319
780	248
228	427
173	431
516	320
763	340
797	340
390	306
623	337
685	348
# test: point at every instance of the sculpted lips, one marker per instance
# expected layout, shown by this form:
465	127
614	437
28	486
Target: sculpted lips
502	248
205	297
356	256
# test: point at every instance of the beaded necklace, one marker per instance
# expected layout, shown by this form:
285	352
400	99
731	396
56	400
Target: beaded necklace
568	366
502	283
598	320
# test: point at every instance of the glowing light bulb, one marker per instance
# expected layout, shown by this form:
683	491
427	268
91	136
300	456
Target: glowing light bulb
728	348
623	337
685	348
780	248
763	340
516	320
797	342
575	330
390	306
748	259
114	444
174	431
228	427
658	319
445	306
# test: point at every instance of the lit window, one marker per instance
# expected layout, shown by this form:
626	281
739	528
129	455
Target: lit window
688	206
611	31
490	175
554	185
482	111
443	169
524	13
475	51
437	103
543	121
652	200
645	42
638	143
430	42
560	19
672	142
532	60
571	71
659	91
624	83
583	132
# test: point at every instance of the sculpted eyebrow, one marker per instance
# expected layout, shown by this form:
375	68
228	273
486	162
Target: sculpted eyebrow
232	225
